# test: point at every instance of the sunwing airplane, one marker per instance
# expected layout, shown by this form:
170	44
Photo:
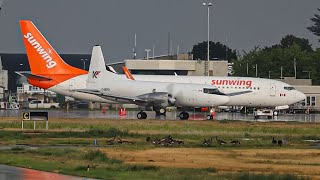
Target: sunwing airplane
48	70
264	92
149	94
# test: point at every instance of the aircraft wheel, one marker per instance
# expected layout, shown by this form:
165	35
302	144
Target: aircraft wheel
139	115
162	111
142	115
275	113
184	115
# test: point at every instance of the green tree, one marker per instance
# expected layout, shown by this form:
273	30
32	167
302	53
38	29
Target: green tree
315	29
290	40
217	50
272	59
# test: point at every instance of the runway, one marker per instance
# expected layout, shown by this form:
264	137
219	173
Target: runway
169	116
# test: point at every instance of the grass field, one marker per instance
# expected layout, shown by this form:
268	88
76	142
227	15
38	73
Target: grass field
67	147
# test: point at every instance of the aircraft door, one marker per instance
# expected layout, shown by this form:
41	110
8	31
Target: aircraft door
272	89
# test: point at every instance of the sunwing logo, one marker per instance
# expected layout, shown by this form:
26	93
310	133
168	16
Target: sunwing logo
246	83
43	53
95	74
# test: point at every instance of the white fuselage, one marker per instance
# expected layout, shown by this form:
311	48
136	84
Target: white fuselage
185	94
67	88
265	92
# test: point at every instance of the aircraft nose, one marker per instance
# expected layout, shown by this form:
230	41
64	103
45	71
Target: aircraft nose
300	96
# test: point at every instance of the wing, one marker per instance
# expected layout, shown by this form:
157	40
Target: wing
237	93
121	99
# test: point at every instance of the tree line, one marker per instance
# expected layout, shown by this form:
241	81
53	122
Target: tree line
293	56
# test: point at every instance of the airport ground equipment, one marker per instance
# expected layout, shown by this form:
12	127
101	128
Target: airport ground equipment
264	112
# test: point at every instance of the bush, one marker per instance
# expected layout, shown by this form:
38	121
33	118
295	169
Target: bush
251	176
212	170
97	155
55	151
90	133
18	148
137	167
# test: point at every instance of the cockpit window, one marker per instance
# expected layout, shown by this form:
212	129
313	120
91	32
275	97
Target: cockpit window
212	91
289	88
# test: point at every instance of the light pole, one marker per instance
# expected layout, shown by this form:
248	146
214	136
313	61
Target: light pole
84	63
147	51
256	70
309	73
247	69
208	5
269	74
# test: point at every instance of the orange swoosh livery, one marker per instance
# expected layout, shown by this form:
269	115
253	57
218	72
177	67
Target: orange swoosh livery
127	72
44	61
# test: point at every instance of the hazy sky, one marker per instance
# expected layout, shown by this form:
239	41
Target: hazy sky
74	26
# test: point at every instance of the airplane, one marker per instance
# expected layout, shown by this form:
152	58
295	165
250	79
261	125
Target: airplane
264	92
148	94
48	70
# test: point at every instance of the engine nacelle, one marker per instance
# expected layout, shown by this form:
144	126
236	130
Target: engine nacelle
159	99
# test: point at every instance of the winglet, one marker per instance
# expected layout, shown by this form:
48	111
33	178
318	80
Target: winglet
127	72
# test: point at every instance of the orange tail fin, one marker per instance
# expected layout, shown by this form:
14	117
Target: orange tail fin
43	59
127	72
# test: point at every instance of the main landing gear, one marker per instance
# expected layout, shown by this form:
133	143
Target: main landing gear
142	115
184	115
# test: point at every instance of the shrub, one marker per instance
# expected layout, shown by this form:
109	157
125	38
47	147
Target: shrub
97	155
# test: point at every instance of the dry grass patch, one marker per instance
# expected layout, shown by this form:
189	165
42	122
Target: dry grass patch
282	161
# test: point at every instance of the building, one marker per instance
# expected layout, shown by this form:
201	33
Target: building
312	102
180	64
12	62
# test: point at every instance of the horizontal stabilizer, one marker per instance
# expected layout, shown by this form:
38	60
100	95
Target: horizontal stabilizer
33	76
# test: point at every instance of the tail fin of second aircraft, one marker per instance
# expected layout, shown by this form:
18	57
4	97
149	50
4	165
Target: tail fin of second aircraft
127	73
97	70
43	59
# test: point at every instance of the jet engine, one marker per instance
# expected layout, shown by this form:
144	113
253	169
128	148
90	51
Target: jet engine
158	99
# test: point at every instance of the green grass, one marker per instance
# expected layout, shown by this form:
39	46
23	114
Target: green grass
74	161
48	159
252	176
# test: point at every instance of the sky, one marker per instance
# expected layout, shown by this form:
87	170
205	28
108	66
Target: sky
75	26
